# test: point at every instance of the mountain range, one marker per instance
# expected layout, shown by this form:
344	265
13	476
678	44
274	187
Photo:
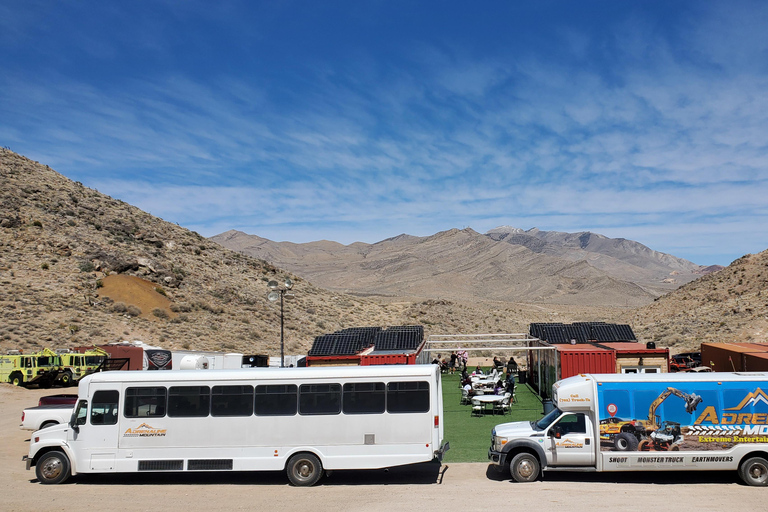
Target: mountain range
504	264
78	267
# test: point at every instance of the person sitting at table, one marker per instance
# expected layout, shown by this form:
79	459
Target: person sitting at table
478	370
499	389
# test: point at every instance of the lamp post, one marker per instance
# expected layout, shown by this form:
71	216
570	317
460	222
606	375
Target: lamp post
278	293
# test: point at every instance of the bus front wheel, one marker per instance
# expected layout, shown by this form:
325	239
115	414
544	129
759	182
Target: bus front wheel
52	468
304	469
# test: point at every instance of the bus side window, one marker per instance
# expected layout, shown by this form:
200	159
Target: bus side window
104	407
364	398
232	401
408	397
143	402
320	399
276	400
189	401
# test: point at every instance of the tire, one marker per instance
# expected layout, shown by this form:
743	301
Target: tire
754	471
52	468
524	467
48	424
66	379
644	445
625	442
17	379
304	470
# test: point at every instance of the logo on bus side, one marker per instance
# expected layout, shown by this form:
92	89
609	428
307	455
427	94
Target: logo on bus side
145	430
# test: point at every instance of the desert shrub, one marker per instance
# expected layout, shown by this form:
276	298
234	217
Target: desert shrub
44	266
119	307
159	289
86	266
134	310
160	313
181	308
37	223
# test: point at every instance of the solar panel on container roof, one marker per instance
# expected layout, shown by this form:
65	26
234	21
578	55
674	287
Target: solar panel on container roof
603	333
625	333
554	333
576	332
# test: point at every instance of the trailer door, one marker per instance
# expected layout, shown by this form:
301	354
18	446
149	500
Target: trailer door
571	441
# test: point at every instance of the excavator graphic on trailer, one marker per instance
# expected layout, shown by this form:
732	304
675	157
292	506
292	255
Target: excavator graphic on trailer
651	433
666	435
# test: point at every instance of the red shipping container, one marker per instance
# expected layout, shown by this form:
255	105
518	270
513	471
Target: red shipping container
724	357
576	359
755	362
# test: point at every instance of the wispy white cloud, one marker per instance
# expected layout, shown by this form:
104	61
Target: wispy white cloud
667	134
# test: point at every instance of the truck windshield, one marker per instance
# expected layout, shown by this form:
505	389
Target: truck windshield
547	420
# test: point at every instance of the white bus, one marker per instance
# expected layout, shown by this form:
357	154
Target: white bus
301	420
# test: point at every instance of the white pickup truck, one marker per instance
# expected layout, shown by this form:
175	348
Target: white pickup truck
42	416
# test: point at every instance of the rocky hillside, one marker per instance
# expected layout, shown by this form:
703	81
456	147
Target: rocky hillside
78	267
62	243
726	306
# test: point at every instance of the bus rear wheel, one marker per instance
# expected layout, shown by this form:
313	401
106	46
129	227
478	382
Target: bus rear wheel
304	469
52	468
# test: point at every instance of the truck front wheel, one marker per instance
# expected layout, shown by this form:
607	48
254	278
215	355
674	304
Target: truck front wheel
17	379
754	471
66	378
52	468
524	467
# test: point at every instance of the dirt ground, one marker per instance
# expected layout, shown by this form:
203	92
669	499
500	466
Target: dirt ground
426	487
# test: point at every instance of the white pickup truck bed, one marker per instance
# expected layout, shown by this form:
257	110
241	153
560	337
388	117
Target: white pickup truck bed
35	418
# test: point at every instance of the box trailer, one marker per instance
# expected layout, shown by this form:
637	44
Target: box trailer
644	422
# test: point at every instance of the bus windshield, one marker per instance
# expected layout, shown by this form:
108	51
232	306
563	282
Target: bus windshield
81	413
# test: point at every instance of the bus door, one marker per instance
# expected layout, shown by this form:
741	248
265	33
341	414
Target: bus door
571	442
96	431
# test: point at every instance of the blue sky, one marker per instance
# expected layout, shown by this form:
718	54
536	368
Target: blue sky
358	121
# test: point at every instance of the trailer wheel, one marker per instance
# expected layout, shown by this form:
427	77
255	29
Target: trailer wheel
52	468
754	471
304	469
524	467
625	442
17	379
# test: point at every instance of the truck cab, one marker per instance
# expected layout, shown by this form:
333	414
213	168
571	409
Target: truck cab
565	438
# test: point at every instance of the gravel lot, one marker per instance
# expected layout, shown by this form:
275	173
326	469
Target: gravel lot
426	487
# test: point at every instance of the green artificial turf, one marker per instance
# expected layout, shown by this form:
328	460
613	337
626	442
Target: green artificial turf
470	437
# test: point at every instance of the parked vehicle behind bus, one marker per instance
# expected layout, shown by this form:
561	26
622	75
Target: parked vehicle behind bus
644	422
300	420
41	368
